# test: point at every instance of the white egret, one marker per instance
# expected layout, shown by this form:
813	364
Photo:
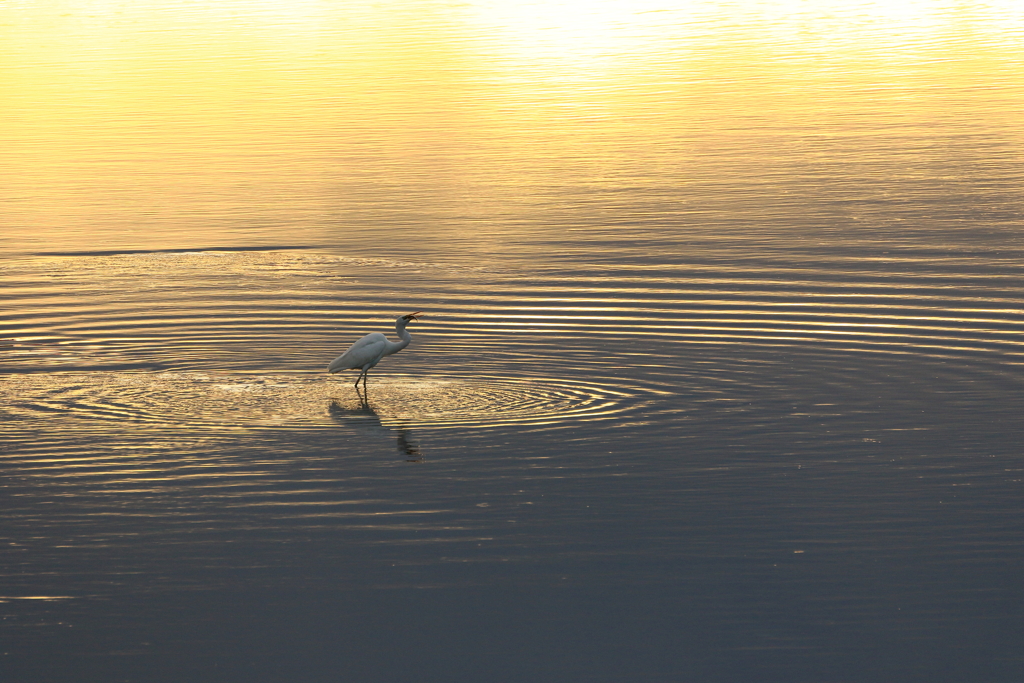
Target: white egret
368	351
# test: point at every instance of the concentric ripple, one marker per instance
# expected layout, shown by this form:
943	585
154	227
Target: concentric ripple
234	340
211	401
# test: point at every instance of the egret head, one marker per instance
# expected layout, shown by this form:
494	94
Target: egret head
409	318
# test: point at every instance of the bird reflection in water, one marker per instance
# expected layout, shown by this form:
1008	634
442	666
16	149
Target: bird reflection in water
365	419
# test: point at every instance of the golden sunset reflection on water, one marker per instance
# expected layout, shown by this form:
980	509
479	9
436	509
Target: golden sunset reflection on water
129	123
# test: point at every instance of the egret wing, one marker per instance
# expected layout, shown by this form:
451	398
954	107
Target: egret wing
367	350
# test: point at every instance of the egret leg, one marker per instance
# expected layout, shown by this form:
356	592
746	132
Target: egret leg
363	400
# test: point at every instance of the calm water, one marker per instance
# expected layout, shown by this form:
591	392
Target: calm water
720	377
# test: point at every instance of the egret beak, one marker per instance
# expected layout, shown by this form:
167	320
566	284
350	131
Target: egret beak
415	316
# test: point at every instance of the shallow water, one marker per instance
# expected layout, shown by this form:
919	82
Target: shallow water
719	378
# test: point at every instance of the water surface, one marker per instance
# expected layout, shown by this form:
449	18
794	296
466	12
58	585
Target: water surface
719	379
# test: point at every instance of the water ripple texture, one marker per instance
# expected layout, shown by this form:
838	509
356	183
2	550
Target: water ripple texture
204	401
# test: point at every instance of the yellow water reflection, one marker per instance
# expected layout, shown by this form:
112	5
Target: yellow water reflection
215	402
135	123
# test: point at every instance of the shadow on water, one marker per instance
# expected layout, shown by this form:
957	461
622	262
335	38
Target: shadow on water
364	418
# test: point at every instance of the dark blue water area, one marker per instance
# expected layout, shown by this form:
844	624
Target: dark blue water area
762	537
512	634
767	473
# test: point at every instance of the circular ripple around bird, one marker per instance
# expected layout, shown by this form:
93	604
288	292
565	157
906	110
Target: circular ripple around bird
208	400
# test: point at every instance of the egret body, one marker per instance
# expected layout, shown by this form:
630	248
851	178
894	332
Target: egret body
368	351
